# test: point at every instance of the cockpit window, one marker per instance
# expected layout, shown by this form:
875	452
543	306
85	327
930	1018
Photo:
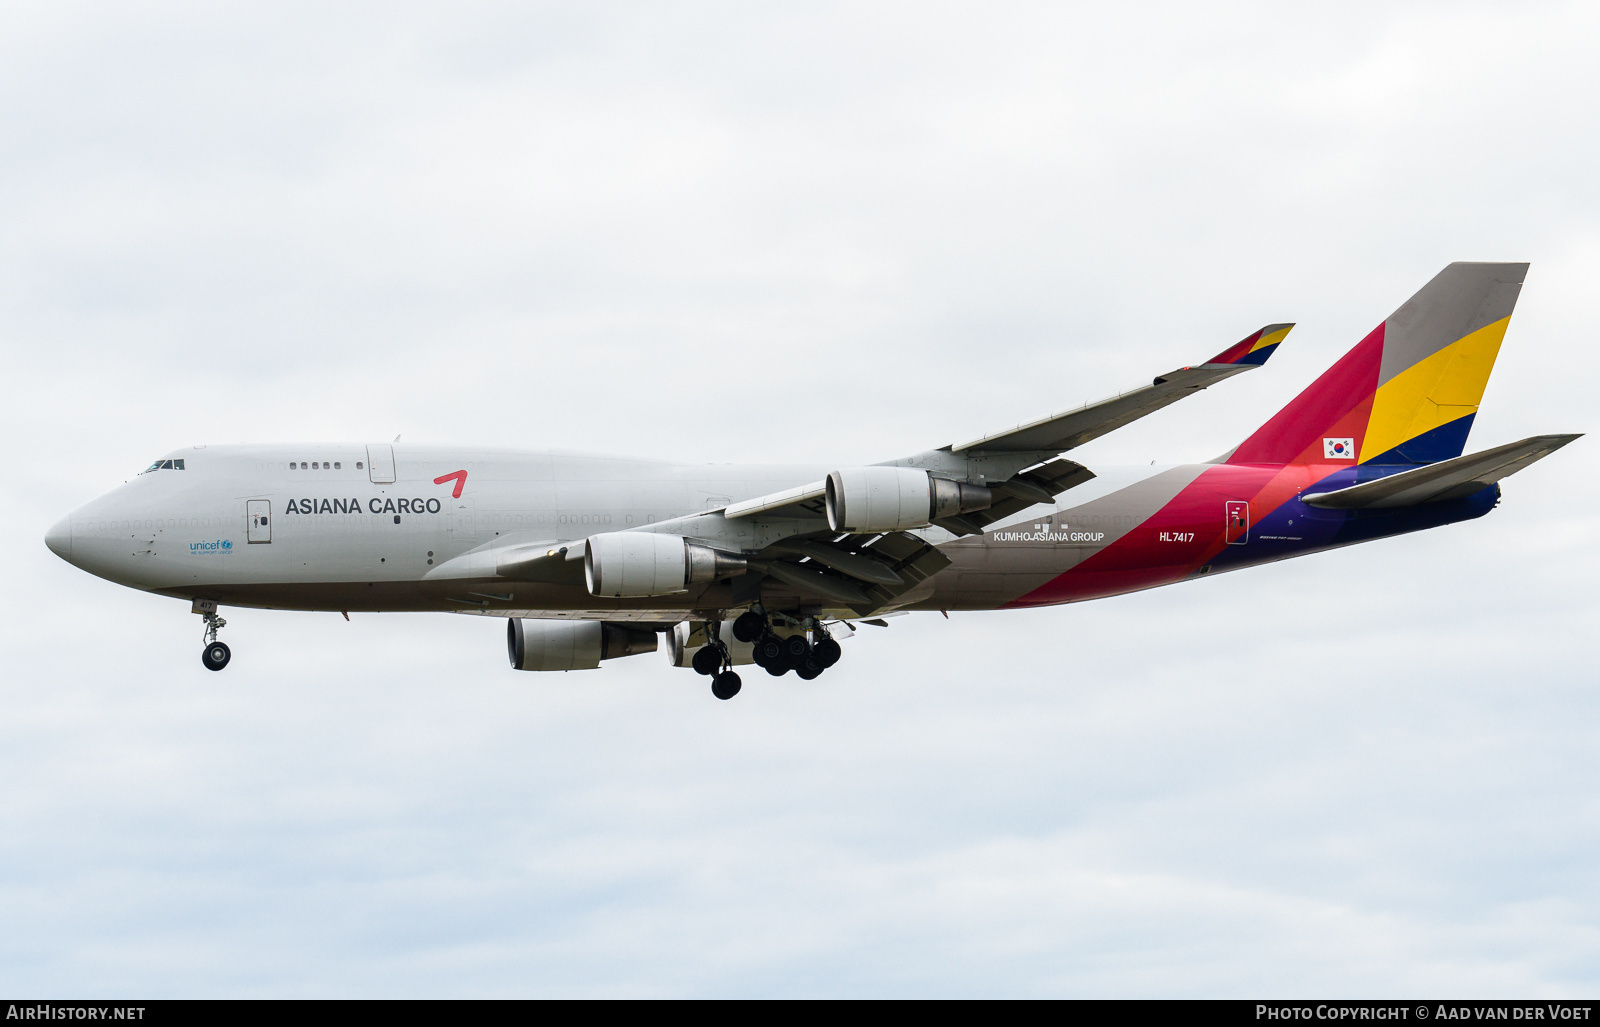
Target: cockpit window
164	465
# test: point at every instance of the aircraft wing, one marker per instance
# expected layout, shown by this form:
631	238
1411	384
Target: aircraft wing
866	572
803	501
1027	444
1448	479
1067	429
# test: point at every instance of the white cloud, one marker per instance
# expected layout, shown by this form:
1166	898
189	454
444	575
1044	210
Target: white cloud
725	234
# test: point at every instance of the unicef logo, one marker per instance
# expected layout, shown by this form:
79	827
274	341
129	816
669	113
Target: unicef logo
227	543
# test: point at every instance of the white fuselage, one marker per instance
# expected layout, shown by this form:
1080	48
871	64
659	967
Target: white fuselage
319	526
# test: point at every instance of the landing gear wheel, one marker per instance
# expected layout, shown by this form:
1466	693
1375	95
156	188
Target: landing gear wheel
796	649
725	685
215	655
769	652
748	626
809	668
777	670
706	661
826	652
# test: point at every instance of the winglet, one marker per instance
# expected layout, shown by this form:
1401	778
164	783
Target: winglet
1254	348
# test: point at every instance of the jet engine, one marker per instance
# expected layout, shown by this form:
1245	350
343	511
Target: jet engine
572	644
632	564
866	499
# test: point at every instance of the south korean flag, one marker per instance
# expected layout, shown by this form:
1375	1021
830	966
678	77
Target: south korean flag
1338	449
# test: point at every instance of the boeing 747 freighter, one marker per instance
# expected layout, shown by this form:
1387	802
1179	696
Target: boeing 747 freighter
592	558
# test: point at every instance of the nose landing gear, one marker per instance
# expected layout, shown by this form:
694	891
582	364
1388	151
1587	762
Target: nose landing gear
216	654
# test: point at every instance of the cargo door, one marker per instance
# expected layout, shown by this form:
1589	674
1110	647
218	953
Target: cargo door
380	463
460	523
1237	512
258	513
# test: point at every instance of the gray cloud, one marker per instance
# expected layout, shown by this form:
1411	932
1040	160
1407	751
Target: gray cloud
721	234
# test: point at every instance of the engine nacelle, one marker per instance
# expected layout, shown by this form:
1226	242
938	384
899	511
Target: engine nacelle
634	564
683	641
572	644
865	499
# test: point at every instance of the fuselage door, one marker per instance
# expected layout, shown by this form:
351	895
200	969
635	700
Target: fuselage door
259	513
380	463
1237	531
461	524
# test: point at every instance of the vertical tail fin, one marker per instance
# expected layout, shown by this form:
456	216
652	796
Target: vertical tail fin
1407	393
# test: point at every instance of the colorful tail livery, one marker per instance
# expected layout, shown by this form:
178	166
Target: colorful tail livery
1407	393
1372	448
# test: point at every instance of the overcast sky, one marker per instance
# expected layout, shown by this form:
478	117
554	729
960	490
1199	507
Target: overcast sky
822	233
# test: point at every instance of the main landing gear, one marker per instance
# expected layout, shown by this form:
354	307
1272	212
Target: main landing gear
714	661
216	654
779	654
776	654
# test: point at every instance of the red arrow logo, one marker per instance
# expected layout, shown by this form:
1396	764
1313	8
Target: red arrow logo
459	477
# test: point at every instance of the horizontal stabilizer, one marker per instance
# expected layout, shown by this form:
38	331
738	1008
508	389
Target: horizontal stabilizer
1448	479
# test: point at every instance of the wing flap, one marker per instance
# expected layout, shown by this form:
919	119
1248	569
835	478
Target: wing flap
814	579
1016	494
858	571
913	560
1448	479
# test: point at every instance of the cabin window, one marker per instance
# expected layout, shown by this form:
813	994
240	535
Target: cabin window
336	465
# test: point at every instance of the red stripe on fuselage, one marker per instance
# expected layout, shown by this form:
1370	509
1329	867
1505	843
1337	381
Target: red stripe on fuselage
1180	538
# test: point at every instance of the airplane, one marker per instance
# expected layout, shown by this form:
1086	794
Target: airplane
593	558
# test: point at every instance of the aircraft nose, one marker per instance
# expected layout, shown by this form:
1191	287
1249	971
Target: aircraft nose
59	538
